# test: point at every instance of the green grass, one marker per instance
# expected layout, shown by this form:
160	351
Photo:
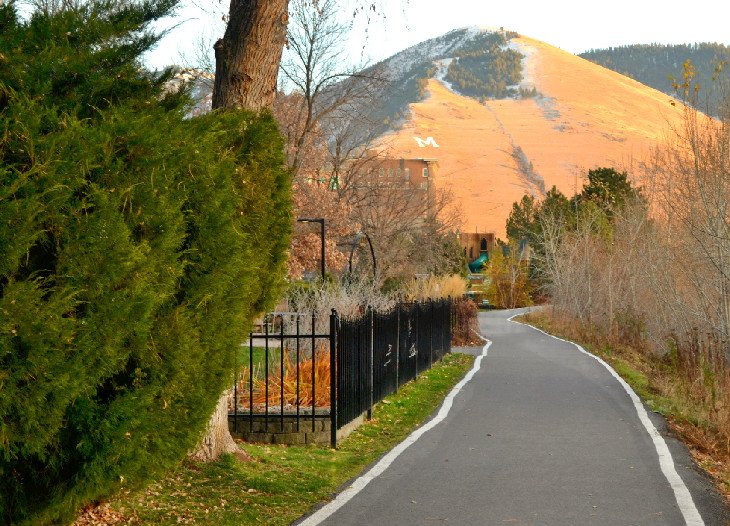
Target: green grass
284	482
259	358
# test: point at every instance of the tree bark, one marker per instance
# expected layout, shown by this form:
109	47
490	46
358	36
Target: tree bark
218	439
247	62
248	56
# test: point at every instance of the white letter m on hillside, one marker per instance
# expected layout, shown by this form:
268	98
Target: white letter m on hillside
428	142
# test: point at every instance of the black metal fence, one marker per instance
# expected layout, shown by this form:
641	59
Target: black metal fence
286	374
379	352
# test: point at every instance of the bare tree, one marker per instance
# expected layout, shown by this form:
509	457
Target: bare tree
409	226
247	60
694	171
316	67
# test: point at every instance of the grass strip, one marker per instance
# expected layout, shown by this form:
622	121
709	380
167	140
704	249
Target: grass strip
284	482
661	388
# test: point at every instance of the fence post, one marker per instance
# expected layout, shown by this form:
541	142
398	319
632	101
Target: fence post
281	371
333	379
444	325
430	335
235	396
371	315
266	371
397	350
449	327
314	369
250	382
416	317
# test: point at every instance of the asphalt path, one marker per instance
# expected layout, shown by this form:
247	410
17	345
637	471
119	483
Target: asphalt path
542	434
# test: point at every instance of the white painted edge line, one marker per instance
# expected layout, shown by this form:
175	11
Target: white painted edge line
359	484
686	505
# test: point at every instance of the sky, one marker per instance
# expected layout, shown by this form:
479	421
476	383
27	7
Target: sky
573	25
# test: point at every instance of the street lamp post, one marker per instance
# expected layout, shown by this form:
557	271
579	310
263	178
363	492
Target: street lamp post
321	224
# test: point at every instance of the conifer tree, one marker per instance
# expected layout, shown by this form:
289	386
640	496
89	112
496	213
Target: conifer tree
135	247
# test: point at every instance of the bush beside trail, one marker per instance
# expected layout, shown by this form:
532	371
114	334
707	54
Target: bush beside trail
136	247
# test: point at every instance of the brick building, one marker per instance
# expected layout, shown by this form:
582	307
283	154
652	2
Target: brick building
411	174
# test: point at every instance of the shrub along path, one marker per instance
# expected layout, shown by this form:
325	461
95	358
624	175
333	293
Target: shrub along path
543	434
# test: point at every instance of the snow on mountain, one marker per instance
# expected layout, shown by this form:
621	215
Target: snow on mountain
400	64
568	115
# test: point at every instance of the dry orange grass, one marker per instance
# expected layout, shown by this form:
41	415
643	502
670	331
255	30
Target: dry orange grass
586	116
436	287
319	390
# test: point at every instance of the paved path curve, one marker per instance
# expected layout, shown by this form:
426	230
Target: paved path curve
542	434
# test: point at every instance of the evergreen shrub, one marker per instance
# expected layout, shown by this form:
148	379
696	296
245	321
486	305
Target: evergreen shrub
135	247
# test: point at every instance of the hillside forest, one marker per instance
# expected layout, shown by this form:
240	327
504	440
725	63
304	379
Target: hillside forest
482	66
659	66
485	68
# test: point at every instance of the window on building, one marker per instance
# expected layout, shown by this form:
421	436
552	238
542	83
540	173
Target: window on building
390	173
381	172
399	173
408	173
425	171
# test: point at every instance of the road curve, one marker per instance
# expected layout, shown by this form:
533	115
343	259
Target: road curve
542	434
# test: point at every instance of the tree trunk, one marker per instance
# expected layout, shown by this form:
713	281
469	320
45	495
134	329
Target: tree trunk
217	439
247	58
247	62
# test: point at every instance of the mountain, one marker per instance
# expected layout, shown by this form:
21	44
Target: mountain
656	65
473	62
507	115
560	116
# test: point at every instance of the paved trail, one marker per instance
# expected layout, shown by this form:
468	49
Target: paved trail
542	434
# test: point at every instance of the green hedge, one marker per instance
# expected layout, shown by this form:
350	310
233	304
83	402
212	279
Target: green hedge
135	247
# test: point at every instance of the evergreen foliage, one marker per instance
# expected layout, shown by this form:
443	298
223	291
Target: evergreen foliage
398	96
606	192
485	68
659	65
135	248
609	189
525	221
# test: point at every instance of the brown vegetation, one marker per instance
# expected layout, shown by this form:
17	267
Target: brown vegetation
465	330
655	288
509	285
313	383
327	124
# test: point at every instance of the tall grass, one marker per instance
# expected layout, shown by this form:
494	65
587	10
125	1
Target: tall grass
435	287
310	383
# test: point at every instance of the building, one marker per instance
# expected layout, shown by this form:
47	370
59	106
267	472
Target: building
415	174
475	244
